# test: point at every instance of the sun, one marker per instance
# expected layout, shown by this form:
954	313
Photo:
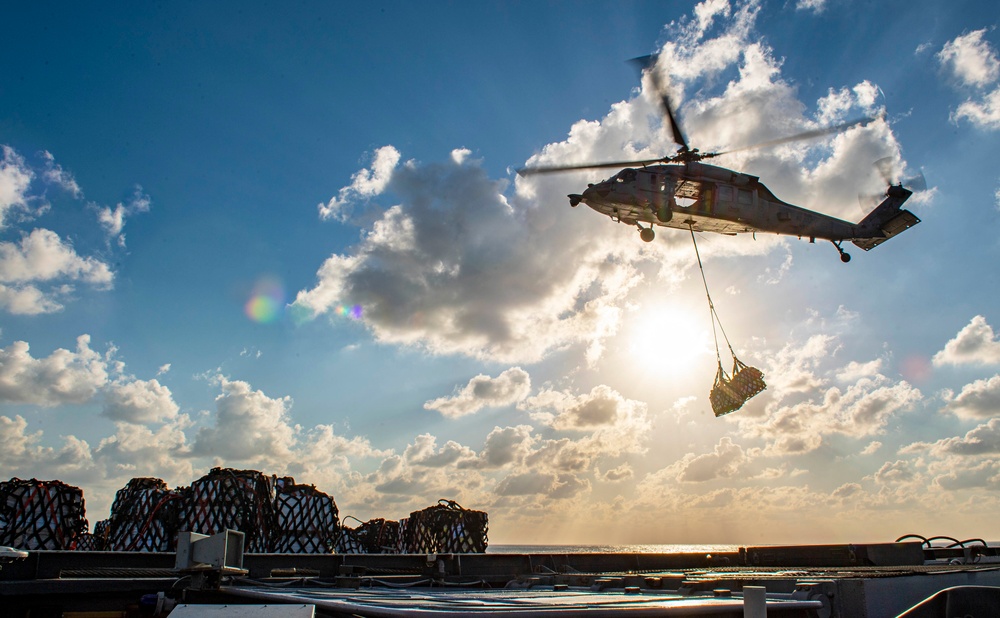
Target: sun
669	340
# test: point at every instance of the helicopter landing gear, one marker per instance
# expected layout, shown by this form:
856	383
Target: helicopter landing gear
646	233
844	256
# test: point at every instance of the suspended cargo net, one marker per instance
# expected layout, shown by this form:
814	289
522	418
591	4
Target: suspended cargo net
306	519
144	517
730	392
41	514
231	499
446	528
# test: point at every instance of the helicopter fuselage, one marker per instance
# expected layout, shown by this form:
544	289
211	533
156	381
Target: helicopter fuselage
708	198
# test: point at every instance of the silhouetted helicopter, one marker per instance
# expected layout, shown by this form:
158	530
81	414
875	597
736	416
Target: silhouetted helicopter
680	191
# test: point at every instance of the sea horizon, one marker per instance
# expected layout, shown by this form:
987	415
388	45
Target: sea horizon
637	548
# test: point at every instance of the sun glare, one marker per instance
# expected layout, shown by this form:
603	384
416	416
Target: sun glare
669	340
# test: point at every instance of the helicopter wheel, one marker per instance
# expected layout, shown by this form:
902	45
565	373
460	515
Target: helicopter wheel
647	234
844	256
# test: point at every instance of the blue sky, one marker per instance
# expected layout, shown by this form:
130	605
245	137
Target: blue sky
290	238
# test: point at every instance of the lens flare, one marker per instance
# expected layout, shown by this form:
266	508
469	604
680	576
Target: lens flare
267	301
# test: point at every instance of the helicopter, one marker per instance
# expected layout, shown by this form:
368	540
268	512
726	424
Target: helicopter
679	191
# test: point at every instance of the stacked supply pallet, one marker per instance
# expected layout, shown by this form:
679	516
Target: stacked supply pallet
41	514
446	528
144	517
231	499
306	519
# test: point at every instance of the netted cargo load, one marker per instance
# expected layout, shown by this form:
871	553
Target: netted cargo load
144	517
41	514
349	539
446	528
379	536
231	499
730	393
95	541
306	519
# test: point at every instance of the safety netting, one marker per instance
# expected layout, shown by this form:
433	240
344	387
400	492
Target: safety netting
306	519
231	499
144	517
446	528
41	514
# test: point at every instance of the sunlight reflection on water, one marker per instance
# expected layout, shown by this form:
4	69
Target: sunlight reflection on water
610	549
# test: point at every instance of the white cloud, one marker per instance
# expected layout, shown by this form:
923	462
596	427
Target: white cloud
984	114
798	425
816	6
55	174
113	221
600	409
139	401
43	256
510	387
15	177
37	272
425	452
978	400
365	183
505	446
725	461
974	62
60	378
982	440
971	58
248	426
974	344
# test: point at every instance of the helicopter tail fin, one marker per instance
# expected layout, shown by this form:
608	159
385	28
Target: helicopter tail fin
886	221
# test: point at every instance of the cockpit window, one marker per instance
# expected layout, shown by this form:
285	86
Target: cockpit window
626	176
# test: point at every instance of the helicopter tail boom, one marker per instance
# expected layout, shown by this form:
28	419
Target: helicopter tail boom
886	221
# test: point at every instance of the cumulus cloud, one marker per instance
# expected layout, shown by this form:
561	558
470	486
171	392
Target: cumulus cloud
983	440
725	461
43	259
15	177
978	400
248	425
62	377
425	452
971	58
510	387
616	422
365	183
974	344
974	63
797	419
139	401
457	265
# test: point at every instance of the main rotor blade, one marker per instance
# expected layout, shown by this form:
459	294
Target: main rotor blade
546	169
648	63
840	128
